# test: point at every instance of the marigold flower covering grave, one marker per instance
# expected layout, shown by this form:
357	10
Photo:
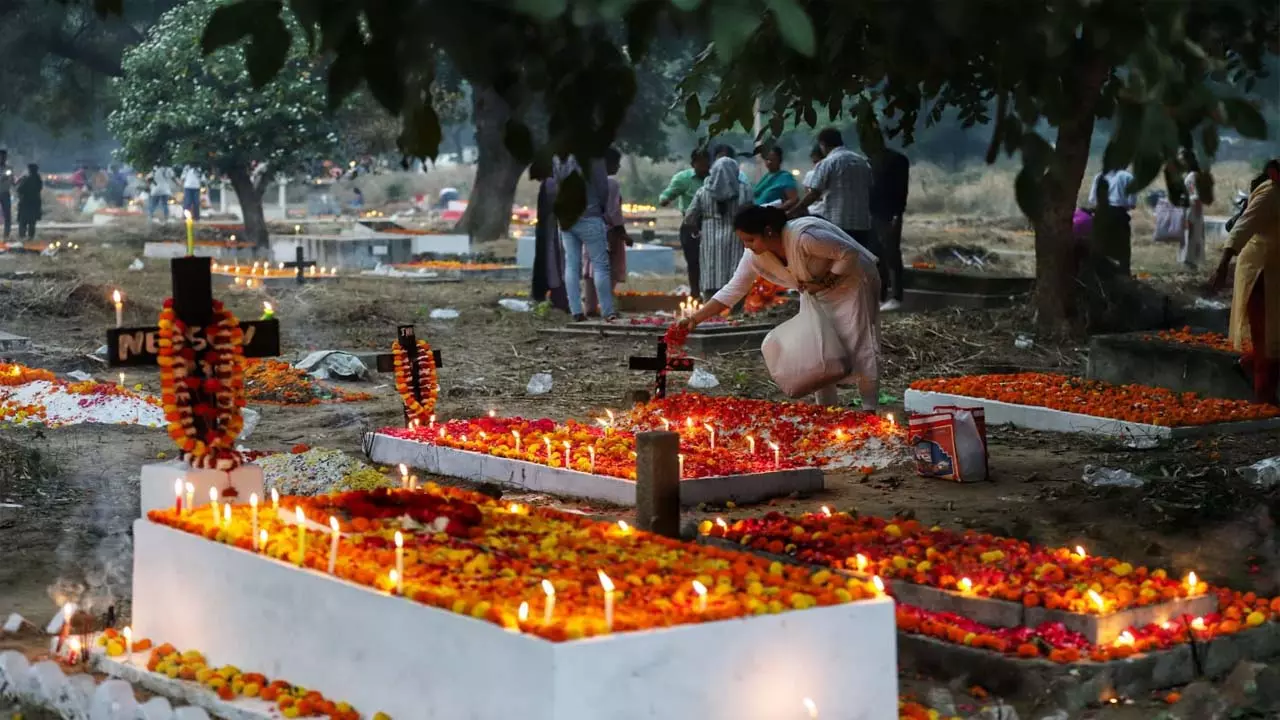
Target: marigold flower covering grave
720	438
1182	361
1043	401
471	579
32	395
273	382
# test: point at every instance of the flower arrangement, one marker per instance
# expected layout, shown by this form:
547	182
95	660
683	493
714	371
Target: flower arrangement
203	413
420	410
274	382
763	295
1132	403
466	553
30	407
1211	340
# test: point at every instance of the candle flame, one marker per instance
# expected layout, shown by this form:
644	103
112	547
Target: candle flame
394	578
404	471
610	414
1197	624
773	446
1192	581
605	582
213	495
523	613
75	645
115	297
493	413
275	496
548	588
1080	551
68	610
262	539
399	540
723	525
191	488
187	214
1097	600
812	707
266	308
513	508
623	526
127	632
688	422
966	585
333	523
226	514
826	511
177	487
253	500
299	515
892	421
861	561
878	583
699	588
1125	638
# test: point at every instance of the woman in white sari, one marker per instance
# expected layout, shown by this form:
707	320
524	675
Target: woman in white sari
812	255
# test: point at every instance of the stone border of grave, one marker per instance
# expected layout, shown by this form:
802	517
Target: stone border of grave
244	609
533	477
1142	358
1031	417
1080	683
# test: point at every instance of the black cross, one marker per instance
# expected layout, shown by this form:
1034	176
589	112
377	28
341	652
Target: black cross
408	340
300	264
193	304
661	364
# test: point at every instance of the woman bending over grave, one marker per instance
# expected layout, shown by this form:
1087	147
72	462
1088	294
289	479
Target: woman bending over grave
814	256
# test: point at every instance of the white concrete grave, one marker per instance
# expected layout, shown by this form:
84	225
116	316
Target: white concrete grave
158	478
1032	417
535	477
384	653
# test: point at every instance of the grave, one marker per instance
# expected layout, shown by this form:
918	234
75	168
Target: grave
1031	417
285	274
13	343
348	251
938	290
706	338
138	347
660	364
647	303
1142	358
424	241
424	272
642	258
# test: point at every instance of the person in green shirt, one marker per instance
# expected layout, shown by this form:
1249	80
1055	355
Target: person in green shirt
682	188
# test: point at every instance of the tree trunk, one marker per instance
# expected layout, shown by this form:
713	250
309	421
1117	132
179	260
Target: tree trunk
488	212
1057	263
250	197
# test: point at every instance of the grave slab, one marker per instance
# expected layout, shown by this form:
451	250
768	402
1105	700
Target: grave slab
478	467
13	343
1102	629
707	338
1140	358
648	303
417	661
158	478
1031	417
938	290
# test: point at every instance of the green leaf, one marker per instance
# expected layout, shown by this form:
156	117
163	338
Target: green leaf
267	51
229	24
794	25
420	132
692	111
571	200
519	142
1245	118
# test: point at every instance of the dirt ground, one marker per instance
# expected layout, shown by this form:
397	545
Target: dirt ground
77	486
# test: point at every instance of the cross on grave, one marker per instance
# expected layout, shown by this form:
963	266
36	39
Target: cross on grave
408	339
300	264
193	304
661	364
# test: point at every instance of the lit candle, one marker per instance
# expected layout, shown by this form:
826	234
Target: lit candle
275	501
722	524
226	515
826	511
128	643
701	589
751	445
177	496
213	504
400	562
191	497
404	476
548	605
432	419
567	453
268	312
966	585
302	533
73	652
297	229
680	458
624	527
119	301
547	441
1198	624
523	613
666	424
591	454
811	707
1097	601
861	561
395	581
262	540
892	423
878	583
516	435
253	518
121	381
607	584
191	233
711	434
493	413
333	544
777	457
1192	583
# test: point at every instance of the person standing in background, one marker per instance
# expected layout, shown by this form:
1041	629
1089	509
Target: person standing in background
588	235
160	188
6	190
891	175
548	250
1112	198
713	209
191	180
816	208
777	186
30	205
1192	250
843	181
616	230
682	188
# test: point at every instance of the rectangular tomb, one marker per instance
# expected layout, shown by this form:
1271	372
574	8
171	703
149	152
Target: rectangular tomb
1143	359
385	654
1032	417
478	467
936	290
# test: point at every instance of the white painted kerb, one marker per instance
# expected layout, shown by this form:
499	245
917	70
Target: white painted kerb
480	467
1032	417
415	662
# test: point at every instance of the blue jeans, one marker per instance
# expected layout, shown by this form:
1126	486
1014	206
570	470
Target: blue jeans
191	202
588	233
162	203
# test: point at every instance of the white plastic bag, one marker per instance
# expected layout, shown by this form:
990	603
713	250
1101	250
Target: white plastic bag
1170	222
804	354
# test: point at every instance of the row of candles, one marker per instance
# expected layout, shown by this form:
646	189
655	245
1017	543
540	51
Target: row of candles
264	267
117	298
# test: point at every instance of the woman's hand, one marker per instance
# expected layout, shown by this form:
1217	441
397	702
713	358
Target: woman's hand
817	285
1219	279
688	323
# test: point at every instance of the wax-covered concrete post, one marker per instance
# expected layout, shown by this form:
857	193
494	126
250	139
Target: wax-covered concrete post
658	482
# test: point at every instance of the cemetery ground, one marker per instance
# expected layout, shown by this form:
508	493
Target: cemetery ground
77	486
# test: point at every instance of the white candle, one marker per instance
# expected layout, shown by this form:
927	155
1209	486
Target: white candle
516	435
333	545
549	605
128	644
680	457
253	518
711	434
701	589
213	504
177	496
395	581
404	476
399	563
191	498
275	501
777	457
262	540
751	445
523	614
607	584
812	707
547	441
119	301
666	424
413	483
302	533
567	453
226	515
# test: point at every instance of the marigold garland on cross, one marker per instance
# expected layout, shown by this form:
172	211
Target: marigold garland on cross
428	384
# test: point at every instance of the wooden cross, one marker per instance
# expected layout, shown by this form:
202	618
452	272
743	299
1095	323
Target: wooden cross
193	304
661	363
300	264
408	340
